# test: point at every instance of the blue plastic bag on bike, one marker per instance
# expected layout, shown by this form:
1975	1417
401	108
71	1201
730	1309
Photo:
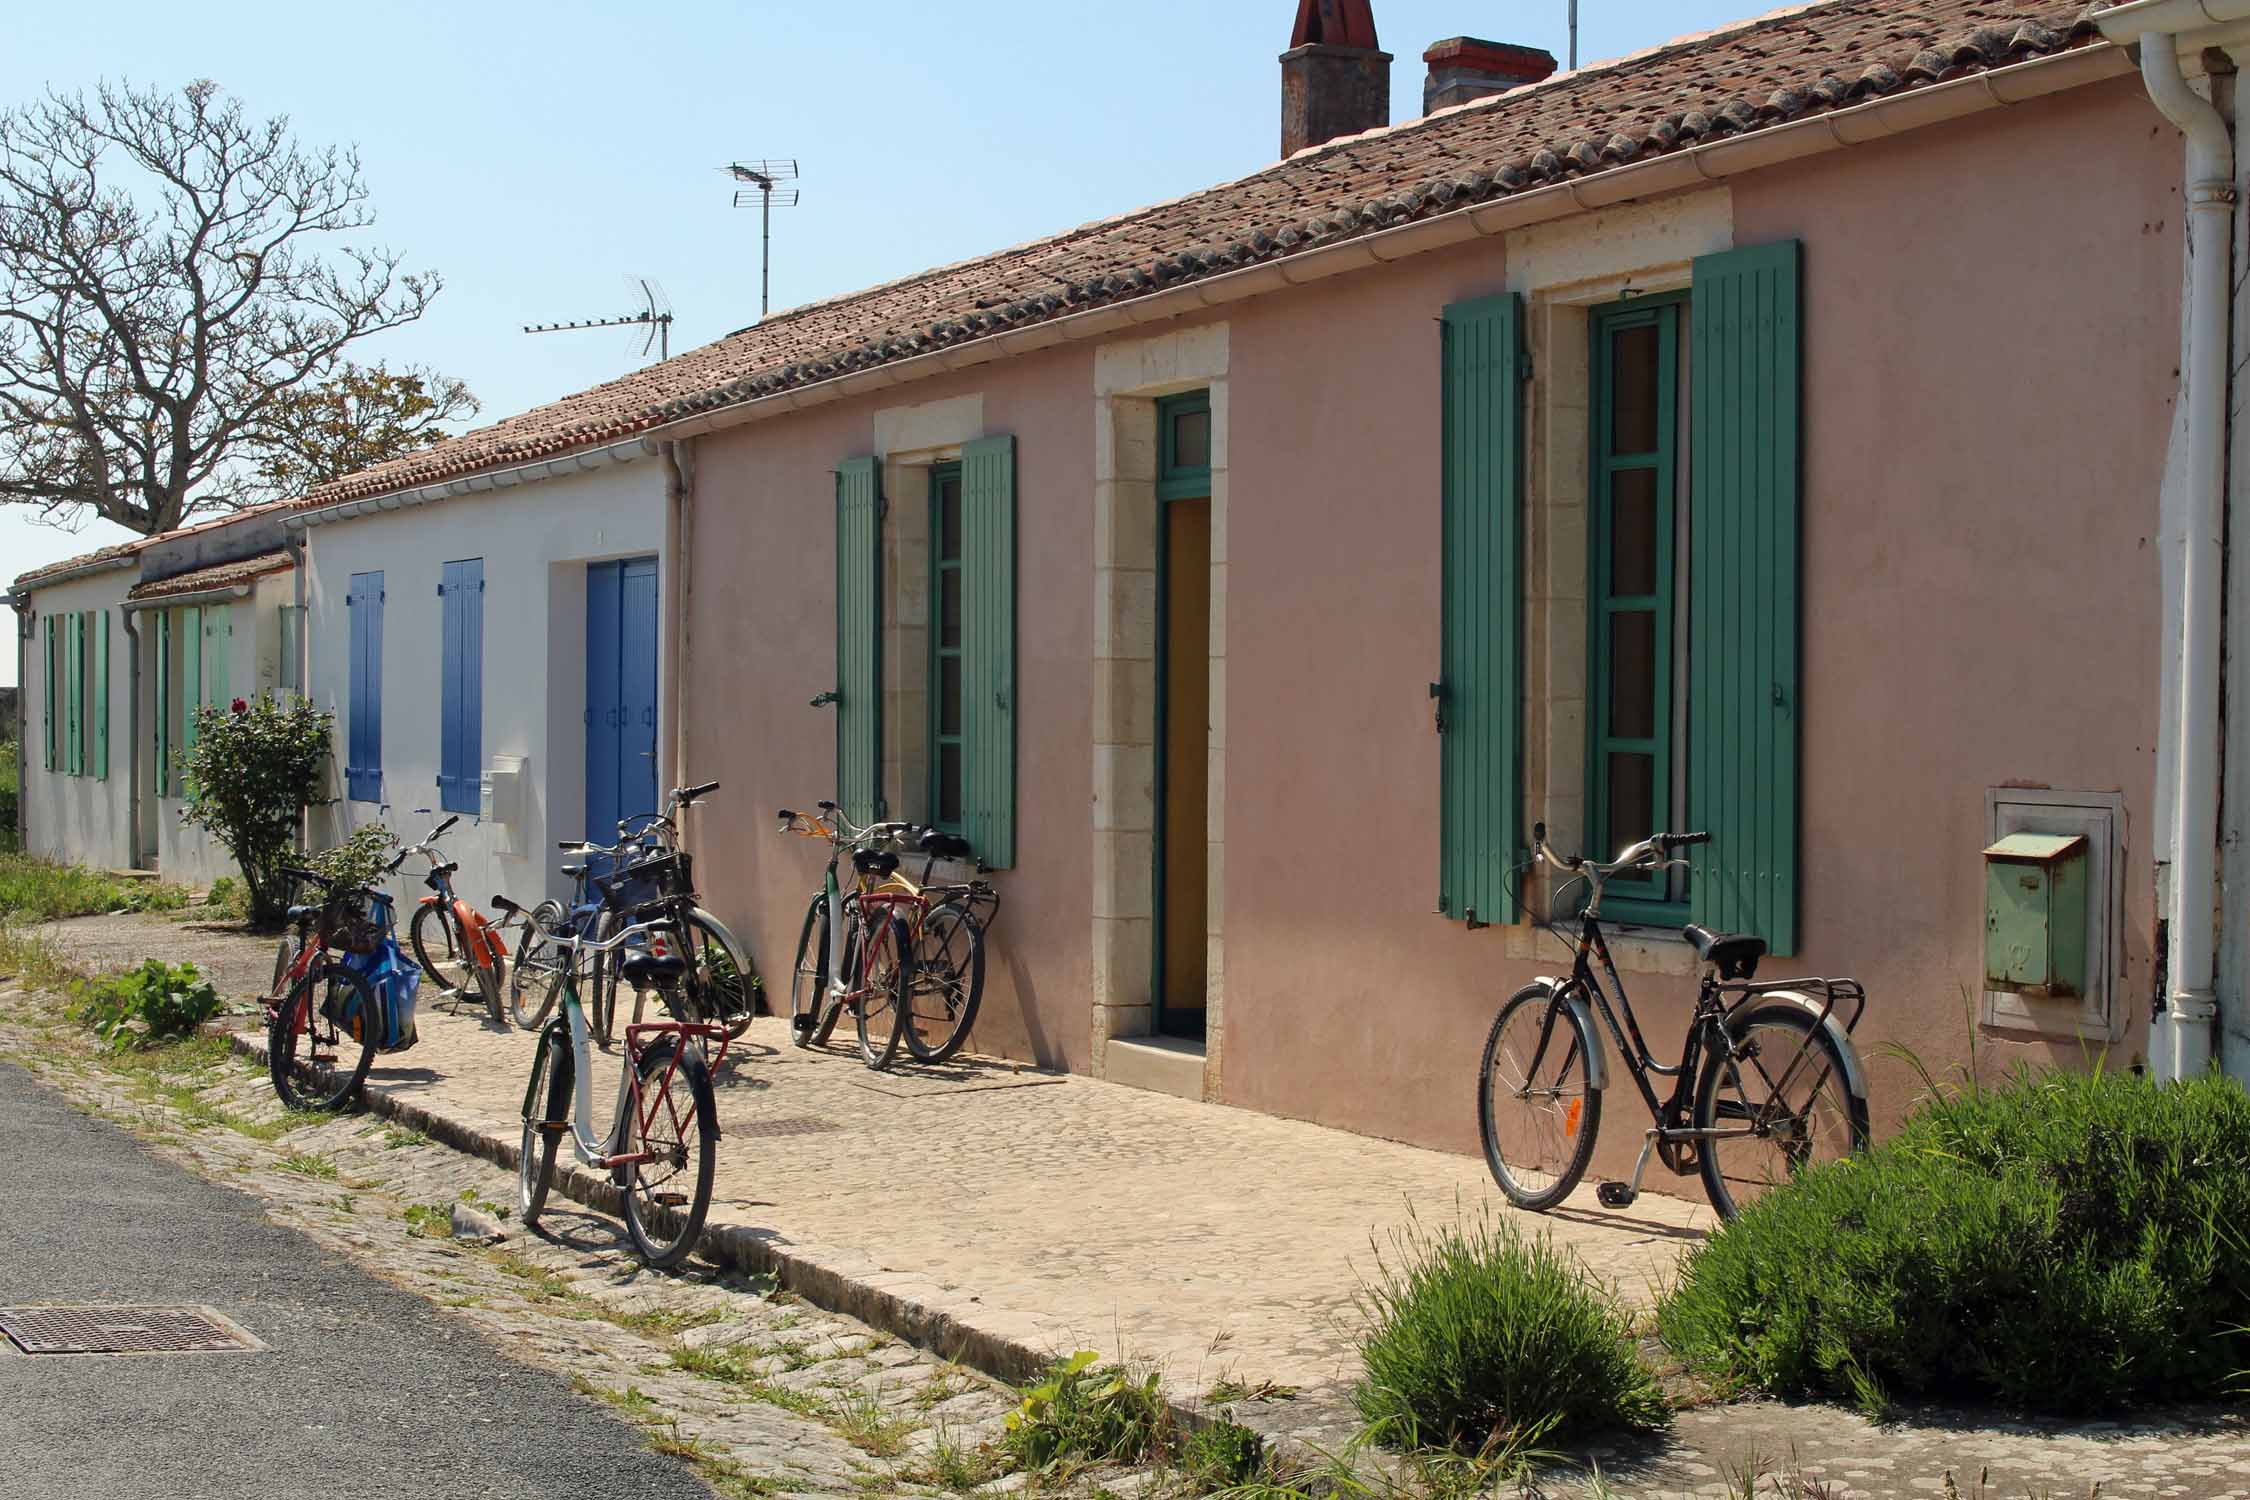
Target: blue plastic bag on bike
396	983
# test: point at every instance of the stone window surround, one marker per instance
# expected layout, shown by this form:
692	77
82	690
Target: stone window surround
1563	276
1129	378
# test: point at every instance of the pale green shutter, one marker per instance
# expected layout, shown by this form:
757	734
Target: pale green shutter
988	648
1480	691
165	694
74	687
47	699
101	694
191	674
1742	621
859	649
218	656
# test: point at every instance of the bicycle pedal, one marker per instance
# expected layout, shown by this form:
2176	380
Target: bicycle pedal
1616	1194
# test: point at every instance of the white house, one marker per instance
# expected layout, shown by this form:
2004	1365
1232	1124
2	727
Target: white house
116	652
496	647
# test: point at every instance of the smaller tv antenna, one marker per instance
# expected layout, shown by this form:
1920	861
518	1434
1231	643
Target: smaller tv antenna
655	315
765	179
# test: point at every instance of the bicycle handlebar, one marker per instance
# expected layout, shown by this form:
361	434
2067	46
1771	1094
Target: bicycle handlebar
577	943
1649	854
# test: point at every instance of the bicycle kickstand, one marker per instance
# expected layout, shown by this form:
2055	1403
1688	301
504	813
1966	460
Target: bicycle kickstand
1622	1194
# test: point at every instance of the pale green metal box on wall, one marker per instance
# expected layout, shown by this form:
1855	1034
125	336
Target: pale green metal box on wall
2035	938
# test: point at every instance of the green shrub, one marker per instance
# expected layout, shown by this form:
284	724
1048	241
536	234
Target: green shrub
228	897
253	770
359	860
141	1007
2067	1243
11	798
1086	1412
1221	1455
1481	1340
39	890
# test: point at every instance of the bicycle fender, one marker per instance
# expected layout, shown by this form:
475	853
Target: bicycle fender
1855	1074
735	950
1597	1056
561	1086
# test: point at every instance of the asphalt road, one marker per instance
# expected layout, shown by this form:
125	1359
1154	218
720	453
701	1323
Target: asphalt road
363	1390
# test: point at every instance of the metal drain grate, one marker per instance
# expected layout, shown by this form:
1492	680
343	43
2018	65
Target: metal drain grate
123	1330
794	1125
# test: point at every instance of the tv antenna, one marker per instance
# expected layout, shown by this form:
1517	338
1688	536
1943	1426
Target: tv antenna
1573	36
655	315
765	179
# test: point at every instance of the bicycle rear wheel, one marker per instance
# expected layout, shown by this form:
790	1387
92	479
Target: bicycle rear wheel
808	980
1784	1088
535	968
882	984
439	949
724	980
322	1039
543	1127
670	1114
1535	1104
947	983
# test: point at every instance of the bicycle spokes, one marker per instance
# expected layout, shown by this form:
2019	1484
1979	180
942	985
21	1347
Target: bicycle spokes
1779	1109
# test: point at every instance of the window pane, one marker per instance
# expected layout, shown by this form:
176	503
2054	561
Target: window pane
1632	790
949	607
949	695
949	518
949	784
1632	532
1632	675
1191	440
1633	387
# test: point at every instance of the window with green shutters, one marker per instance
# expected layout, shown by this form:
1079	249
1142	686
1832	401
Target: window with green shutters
859	640
1479	690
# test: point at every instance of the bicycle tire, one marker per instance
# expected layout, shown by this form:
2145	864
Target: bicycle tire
724	978
347	1021
808	973
1845	1127
884	995
535	1162
532	970
284	956
664	1230
947	982
1532	1135
488	986
602	984
453	973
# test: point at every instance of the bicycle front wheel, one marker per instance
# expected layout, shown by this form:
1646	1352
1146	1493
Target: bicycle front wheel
723	979
882	987
947	983
439	949
808	980
1778	1092
543	1126
670	1114
1536	1104
535	968
322	1039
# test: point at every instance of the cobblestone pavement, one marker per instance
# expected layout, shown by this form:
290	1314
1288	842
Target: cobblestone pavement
1050	1214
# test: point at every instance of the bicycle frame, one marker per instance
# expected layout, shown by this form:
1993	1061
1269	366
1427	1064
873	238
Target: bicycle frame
569	1027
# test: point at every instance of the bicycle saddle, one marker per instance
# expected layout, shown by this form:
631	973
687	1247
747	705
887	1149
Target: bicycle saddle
875	862
941	845
1735	953
298	914
573	871
642	967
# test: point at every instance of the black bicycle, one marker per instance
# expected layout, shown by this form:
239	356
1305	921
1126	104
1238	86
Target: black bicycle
1768	1081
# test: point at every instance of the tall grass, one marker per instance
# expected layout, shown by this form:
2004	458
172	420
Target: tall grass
2066	1242
40	890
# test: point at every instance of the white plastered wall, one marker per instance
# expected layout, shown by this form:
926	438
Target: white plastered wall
80	819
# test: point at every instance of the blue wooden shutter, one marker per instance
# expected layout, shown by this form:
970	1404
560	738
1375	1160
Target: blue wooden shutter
101	694
988	648
859	647
1742	620
461	747
1480	688
363	760
166	692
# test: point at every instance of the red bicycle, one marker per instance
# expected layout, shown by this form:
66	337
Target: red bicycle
323	1013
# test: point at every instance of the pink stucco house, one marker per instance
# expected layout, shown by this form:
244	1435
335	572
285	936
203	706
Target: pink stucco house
1803	431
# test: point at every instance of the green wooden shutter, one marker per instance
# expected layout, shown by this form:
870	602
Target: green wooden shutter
191	674
988	648
1742	621
165	694
101	694
53	760
218	656
1480	692
74	692
859	644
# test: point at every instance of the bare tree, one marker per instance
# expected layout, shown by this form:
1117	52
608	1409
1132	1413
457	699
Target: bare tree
353	420
161	296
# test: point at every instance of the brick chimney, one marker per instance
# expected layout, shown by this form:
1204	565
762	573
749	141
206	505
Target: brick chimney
1335	77
1466	67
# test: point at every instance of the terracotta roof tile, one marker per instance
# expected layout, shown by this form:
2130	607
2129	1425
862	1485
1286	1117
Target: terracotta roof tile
216	576
1742	78
36	576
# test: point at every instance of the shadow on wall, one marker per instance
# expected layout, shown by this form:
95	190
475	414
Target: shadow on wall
1027	1006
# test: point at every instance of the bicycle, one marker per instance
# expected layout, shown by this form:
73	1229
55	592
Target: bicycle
842	965
947	980
471	948
320	1010
1731	1119
666	1126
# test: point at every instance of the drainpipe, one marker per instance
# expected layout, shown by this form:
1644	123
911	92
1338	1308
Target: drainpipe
2181	1036
679	489
24	631
293	542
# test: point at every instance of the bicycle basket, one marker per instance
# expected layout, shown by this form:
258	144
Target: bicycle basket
667	877
354	921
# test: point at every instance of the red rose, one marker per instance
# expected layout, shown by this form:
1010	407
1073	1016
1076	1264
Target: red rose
240	707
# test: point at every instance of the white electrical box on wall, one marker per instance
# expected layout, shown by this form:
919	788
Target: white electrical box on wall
2098	817
505	794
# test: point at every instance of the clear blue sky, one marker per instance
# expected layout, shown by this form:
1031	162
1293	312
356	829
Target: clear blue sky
537	155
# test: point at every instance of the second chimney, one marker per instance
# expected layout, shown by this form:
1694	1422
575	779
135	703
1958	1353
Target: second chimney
1466	67
1335	77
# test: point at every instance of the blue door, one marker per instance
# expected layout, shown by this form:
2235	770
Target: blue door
620	694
